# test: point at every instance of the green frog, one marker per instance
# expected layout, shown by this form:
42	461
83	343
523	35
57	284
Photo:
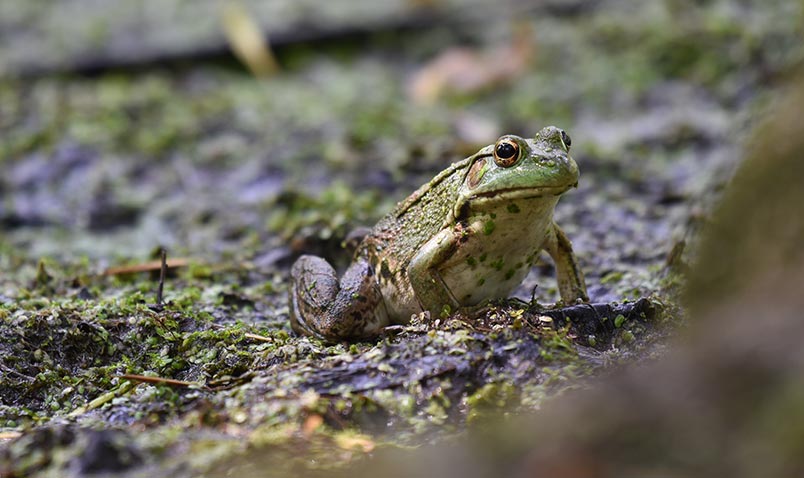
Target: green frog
469	235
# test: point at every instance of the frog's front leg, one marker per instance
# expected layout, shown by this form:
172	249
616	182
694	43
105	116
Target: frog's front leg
430	289
571	284
324	307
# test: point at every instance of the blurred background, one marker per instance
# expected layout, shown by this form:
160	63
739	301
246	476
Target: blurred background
239	134
127	125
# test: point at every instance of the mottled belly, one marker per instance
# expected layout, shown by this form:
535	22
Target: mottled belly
491	264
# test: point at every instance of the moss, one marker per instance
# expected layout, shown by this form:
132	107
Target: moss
612	277
490	399
498	264
337	207
488	227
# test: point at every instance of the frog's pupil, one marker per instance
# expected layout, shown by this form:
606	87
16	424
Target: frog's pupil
505	150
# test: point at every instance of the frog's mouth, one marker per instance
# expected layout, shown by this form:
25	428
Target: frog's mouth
524	193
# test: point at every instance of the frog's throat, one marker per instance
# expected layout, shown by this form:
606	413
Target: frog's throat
463	207
520	193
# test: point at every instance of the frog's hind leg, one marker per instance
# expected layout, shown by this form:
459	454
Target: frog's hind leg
324	307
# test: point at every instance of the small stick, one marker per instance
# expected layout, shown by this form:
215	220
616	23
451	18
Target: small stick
257	337
102	400
159	380
146	267
9	435
18	374
162	273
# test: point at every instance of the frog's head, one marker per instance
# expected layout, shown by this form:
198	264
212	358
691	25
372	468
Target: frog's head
520	168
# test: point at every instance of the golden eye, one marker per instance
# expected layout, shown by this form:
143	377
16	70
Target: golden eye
506	152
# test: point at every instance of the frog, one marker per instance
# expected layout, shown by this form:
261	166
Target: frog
468	236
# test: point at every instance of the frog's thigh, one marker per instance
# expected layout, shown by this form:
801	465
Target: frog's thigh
431	291
571	283
322	306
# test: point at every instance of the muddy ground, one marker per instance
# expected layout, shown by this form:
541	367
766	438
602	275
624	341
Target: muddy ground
128	141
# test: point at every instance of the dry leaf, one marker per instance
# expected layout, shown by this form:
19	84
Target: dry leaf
465	70
9	435
475	130
247	40
352	441
311	424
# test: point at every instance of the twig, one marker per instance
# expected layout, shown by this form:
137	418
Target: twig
9	435
161	380
18	374
159	306
149	266
261	338
102	400
162	272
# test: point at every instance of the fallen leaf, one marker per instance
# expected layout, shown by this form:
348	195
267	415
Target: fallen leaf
474	130
351	441
311	424
247	41
465	70
9	435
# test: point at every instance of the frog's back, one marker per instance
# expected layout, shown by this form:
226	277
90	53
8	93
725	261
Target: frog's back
415	220
396	239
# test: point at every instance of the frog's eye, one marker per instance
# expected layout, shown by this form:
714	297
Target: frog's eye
506	152
566	140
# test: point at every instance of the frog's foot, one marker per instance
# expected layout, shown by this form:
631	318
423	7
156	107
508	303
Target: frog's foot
333	310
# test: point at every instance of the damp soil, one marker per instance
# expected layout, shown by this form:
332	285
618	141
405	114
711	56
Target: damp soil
180	148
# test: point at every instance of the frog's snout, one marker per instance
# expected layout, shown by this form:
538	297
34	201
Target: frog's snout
562	170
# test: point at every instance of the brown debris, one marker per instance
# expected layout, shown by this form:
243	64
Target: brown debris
247	41
149	266
466	70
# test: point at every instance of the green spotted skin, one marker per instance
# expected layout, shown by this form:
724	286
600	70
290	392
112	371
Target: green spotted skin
469	235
